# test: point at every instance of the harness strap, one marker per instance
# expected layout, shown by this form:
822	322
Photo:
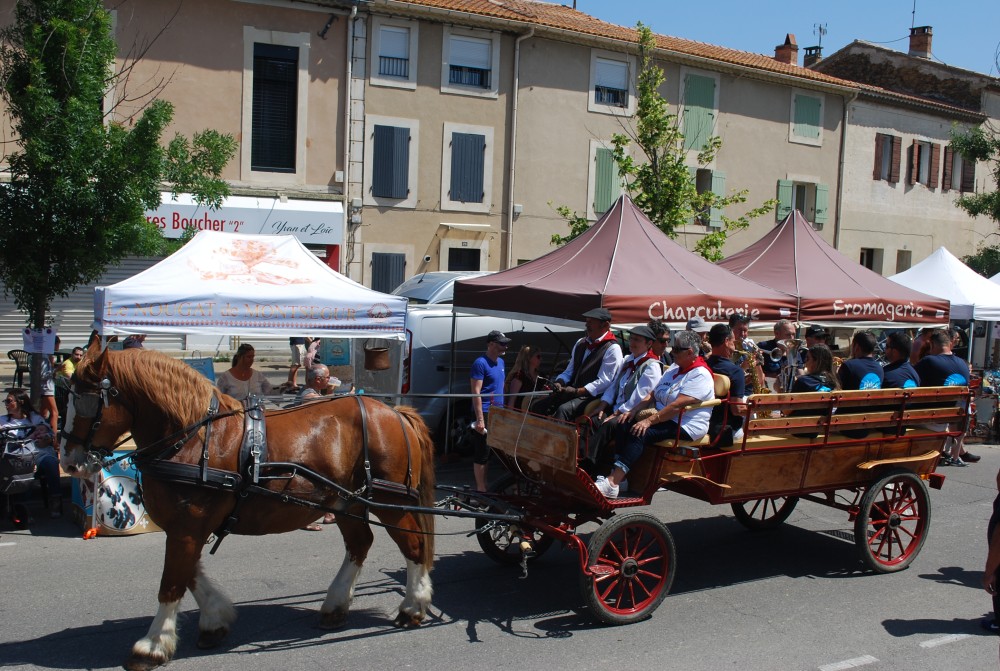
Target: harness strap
364	449
409	460
226	528
213	408
190	474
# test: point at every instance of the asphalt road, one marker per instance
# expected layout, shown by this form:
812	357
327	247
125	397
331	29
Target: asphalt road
794	598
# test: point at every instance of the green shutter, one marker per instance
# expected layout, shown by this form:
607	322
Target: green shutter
822	204
784	198
807	121
719	189
699	110
605	181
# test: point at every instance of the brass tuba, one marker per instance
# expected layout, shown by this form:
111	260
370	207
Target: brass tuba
749	357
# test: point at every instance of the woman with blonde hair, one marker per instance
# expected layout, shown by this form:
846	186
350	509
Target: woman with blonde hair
523	376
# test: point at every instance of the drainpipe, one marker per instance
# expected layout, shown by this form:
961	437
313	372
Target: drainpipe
840	170
513	149
349	52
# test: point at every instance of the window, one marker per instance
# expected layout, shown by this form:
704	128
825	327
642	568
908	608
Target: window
959	173
471	62
871	259
806	119
715	182
467	168
604	184
699	100
459	254
394	52
611	89
888	151
462	258
390	166
924	159
809	198
275	85
388	271
904	259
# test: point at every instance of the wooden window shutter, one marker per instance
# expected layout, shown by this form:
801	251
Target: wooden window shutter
897	158
932	178
807	121
822	204
699	110
785	187
275	108
391	162
388	271
949	159
968	175
605	180
880	140
914	162
468	156
719	189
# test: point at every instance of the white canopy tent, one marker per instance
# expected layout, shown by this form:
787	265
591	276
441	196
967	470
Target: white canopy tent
247	285
941	274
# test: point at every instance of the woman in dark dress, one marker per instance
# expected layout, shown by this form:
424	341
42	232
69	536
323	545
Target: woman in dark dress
523	377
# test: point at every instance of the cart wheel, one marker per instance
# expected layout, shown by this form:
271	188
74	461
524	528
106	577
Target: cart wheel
635	560
761	514
892	522
501	540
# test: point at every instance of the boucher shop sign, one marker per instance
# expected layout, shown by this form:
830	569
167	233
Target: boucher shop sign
318	222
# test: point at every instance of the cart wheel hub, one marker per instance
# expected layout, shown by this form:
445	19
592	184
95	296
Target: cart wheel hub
630	567
894	521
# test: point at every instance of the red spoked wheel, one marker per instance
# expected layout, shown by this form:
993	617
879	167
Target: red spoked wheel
892	522
761	514
501	540
634	559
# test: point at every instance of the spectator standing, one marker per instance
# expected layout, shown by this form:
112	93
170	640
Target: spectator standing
523	377
991	575
487	380
298	348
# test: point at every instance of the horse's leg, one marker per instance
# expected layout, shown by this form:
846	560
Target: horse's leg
406	529
215	608
160	642
358	539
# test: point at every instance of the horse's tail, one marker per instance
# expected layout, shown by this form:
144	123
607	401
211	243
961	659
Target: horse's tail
426	486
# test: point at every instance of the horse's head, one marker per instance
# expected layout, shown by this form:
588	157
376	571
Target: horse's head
94	419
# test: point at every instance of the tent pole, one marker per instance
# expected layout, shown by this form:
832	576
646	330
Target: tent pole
972	338
451	383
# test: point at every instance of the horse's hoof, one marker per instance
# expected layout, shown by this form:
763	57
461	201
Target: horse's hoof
210	639
143	662
406	621
334	620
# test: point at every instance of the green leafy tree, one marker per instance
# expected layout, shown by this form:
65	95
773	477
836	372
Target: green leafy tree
986	260
980	145
79	186
661	183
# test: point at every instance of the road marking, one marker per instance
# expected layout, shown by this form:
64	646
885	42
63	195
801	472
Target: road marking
941	640
849	663
3	545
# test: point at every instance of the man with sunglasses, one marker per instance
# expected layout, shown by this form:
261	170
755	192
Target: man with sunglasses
861	371
661	339
487	378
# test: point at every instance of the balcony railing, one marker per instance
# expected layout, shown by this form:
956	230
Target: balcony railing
391	66
605	95
466	76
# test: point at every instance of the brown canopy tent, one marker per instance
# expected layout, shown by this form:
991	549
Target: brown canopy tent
626	264
831	288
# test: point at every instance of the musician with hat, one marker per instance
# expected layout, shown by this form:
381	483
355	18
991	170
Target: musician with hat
593	366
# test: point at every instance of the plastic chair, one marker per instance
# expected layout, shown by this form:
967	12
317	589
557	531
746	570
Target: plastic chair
22	362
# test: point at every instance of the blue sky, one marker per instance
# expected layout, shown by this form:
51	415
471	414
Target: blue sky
966	32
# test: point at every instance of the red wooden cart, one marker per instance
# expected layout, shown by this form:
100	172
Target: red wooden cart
794	447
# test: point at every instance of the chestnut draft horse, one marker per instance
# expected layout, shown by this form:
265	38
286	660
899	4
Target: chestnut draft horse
166	405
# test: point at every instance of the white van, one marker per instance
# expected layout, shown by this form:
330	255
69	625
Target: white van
427	358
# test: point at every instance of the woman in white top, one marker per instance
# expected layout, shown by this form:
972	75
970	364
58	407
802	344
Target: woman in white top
242	380
21	421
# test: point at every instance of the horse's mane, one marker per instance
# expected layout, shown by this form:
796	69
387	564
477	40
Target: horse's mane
178	390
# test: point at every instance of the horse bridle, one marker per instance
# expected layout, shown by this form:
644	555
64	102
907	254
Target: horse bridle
90	405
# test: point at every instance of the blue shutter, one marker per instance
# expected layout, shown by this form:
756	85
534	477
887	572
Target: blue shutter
388	271
784	198
468	152
699	110
719	189
807	121
391	162
605	181
822	205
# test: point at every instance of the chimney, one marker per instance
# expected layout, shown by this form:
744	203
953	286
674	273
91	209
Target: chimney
920	41
787	52
812	56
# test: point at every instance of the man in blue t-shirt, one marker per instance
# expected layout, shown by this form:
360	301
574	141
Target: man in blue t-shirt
487	378
727	421
899	373
941	368
861	371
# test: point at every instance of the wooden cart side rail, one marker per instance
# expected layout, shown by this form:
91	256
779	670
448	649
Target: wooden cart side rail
867	420
928	459
864	397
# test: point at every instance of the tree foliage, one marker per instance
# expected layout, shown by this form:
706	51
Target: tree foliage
661	183
986	260
980	145
79	186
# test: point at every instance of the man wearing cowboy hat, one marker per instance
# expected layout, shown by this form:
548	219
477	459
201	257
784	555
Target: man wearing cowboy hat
593	367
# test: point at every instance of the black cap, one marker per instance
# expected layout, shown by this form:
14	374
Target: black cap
643	331
599	313
498	337
816	331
